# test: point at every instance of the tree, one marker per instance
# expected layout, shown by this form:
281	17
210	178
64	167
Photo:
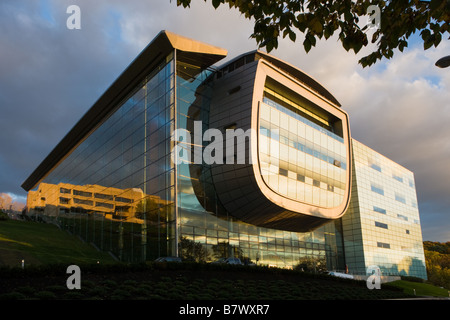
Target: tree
193	251
318	19
437	256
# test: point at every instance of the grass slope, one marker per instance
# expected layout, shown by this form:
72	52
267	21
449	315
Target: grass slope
40	243
420	289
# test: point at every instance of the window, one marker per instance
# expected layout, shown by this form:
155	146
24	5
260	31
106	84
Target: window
379	210
104	205
63	200
316	183
383	245
300	177
377	188
121	199
407	231
82	193
283	172
400	216
330	188
400	198
381	225
64	190
80	201
103	196
375	166
397	177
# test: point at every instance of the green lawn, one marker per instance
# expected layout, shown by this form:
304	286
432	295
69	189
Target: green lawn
421	289
40	243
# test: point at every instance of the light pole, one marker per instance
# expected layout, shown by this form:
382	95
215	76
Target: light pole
443	62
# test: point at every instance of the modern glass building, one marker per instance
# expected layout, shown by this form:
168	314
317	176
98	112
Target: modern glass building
252	159
382	226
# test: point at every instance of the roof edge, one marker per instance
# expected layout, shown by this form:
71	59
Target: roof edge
137	70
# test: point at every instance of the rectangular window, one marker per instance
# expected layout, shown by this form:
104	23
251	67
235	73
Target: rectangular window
82	193
407	231
103	196
379	210
300	177
383	245
375	166
400	198
121	199
397	177
381	225
63	200
64	190
400	216
81	201
283	172
104	205
377	188
316	183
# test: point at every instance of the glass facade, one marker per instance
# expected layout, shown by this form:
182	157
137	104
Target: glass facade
382	225
122	189
117	188
207	232
299	158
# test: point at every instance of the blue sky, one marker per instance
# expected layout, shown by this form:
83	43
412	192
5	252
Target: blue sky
50	76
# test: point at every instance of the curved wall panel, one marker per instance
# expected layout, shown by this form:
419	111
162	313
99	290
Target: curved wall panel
297	168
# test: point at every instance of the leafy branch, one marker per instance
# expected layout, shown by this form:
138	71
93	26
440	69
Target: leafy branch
318	19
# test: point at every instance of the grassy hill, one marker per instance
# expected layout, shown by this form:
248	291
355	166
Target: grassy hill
40	243
420	289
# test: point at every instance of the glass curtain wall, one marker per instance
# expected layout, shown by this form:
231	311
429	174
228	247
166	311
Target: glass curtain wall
206	231
120	189
382	226
117	188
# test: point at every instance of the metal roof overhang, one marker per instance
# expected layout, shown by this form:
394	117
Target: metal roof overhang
164	43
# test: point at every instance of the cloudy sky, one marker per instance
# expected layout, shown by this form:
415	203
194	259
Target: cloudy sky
50	76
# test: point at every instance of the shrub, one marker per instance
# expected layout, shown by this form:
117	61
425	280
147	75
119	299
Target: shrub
3	216
12	296
45	295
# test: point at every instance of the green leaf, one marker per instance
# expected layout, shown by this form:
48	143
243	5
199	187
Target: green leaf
316	26
292	36
216	3
307	45
434	4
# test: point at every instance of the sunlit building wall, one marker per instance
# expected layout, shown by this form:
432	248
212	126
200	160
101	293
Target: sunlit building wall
382	225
